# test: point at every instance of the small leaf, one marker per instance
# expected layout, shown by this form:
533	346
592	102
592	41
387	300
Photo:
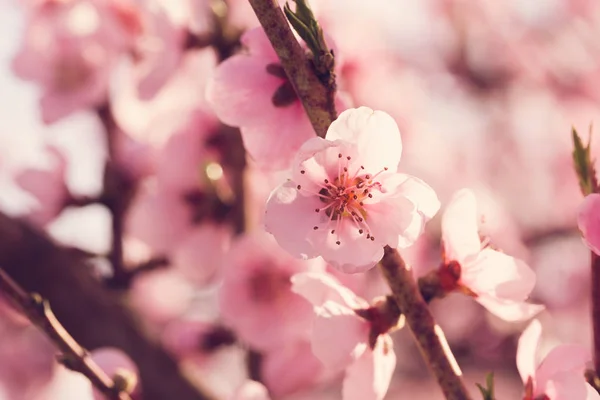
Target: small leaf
305	24
488	391
584	165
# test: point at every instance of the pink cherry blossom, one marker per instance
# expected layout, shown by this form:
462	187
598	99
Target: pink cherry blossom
250	90
48	187
559	375
256	299
70	48
588	220
340	337
346	199
499	282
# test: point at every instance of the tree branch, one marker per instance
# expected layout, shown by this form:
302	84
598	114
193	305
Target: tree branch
75	357
88	311
429	336
316	97
596	309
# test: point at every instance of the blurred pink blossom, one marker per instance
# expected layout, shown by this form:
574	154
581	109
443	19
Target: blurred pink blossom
256	299
340	337
559	375
200	254
70	48
588	220
159	219
347	200
158	49
251	390
291	368
252	91
497	281
48	187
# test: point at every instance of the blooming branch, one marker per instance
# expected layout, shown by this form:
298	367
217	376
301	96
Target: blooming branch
87	311
74	356
428	335
317	97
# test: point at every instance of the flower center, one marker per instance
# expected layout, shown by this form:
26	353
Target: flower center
269	284
346	197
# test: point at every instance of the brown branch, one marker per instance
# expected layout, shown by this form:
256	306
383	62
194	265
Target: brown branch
75	357
316	97
118	191
428	335
595	264
88	311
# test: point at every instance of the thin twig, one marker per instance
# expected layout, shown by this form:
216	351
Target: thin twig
93	315
117	194
74	356
429	336
316	97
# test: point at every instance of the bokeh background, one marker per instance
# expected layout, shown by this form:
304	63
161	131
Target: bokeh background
485	93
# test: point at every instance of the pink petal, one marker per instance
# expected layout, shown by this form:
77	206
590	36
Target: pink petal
588	220
509	310
291	368
353	254
257	42
421	194
255	298
251	390
527	350
459	227
319	288
290	217
161	57
339	335
498	274
48	187
368	378
565	386
592	394
309	168
391	220
240	90
273	140
375	133
201	253
567	359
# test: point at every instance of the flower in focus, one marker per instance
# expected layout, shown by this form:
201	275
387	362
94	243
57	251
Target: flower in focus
588	220
346	199
349	334
49	188
559	375
497	281
69	50
256	299
252	91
